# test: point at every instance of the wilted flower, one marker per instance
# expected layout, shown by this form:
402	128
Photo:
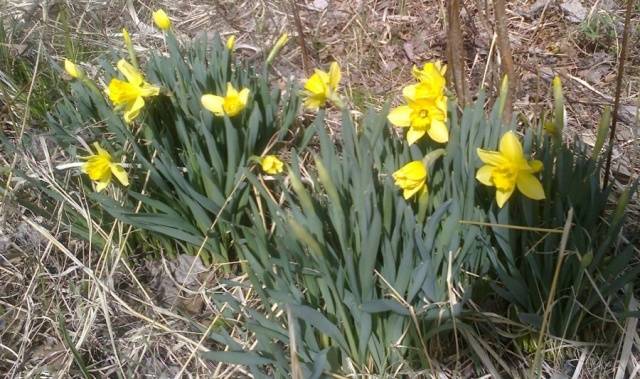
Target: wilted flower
508	168
129	95
73	70
231	104
231	42
422	114
161	20
411	178
271	164
322	87
100	168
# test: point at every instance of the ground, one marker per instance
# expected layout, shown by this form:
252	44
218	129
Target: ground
135	316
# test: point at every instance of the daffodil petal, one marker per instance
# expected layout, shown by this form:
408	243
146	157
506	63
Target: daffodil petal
134	110
100	185
409	92
510	147
99	149
535	165
414	134
407	193
231	92
213	104
530	186
400	116
244	96
316	83
149	90
120	173
438	131
503	196
133	76
484	175
493	158
314	102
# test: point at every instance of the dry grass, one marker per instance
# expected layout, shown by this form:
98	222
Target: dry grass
136	317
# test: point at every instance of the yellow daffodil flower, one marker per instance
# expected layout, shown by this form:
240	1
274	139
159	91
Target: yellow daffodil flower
422	115
431	77
100	168
161	20
73	70
271	164
231	42
231	104
508	168
129	95
411	178
322	87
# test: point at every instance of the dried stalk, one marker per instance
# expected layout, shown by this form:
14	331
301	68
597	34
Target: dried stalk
616	103
455	51
306	63
504	47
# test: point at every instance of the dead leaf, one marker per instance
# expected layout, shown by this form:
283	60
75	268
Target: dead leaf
574	11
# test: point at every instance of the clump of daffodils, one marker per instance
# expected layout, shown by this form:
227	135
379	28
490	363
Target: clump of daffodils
425	111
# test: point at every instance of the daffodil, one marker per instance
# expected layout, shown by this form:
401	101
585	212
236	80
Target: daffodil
271	164
411	178
431	78
101	168
126	37
322	87
73	70
422	115
129	95
280	43
129	45
231	104
161	20
231	42
508	169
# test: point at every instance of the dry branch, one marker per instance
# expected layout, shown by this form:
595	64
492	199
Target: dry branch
506	57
